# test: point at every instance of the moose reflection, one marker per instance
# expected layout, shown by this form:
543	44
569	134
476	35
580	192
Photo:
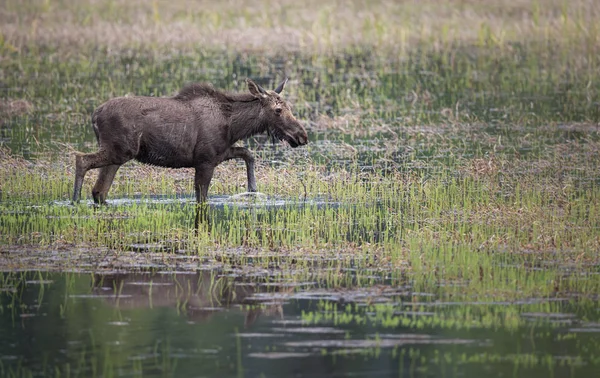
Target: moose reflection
198	295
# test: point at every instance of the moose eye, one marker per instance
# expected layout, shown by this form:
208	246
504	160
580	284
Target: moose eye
278	111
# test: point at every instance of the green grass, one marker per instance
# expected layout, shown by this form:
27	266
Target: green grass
353	92
454	157
466	227
529	63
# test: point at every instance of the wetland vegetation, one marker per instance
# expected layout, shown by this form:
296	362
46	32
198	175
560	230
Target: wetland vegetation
443	220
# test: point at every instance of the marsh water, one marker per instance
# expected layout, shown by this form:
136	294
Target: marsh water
220	322
477	256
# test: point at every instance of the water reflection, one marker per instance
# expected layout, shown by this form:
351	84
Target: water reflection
198	295
225	324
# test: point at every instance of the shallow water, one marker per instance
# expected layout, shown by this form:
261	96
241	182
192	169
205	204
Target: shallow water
246	321
214	323
244	200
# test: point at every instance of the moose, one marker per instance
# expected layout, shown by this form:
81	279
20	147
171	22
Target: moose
196	128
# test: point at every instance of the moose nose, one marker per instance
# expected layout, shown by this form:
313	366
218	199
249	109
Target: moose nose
302	138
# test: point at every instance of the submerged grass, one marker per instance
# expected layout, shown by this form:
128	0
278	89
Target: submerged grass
503	233
450	189
450	141
397	323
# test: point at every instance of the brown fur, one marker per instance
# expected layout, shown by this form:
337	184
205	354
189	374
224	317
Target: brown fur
195	128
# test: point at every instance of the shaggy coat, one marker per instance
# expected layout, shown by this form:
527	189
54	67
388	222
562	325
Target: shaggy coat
196	128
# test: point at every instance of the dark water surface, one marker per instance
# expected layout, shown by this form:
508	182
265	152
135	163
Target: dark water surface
214	323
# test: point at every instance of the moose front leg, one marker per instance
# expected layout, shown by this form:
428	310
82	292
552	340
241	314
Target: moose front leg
105	180
202	180
204	174
244	153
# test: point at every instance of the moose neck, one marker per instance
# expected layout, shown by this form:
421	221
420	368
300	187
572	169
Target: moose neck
245	120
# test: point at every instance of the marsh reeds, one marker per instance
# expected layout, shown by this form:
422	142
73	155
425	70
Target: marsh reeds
454	151
500	232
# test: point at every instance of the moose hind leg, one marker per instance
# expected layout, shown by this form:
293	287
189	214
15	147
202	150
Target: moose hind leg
246	155
83	163
103	183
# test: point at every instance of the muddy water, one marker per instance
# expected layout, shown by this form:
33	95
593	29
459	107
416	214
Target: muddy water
214	323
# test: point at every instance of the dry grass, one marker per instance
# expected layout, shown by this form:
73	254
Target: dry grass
10	164
343	123
289	25
10	107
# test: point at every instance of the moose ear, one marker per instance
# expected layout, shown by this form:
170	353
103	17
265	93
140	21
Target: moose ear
281	86
256	89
